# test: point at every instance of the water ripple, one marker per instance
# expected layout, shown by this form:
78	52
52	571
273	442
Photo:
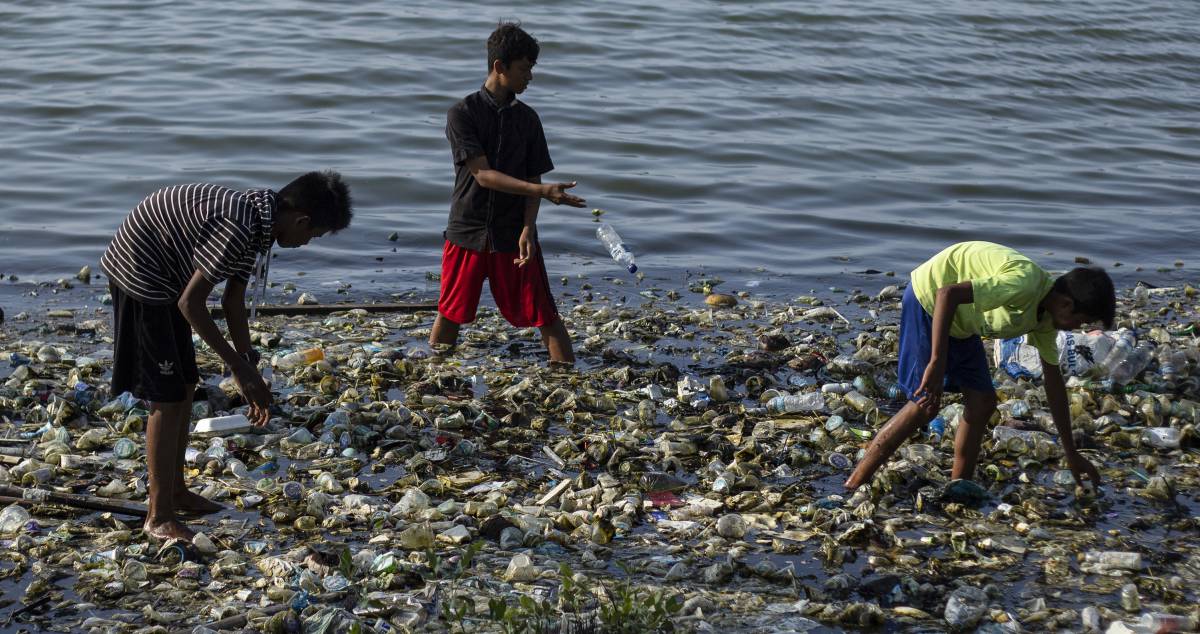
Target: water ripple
812	141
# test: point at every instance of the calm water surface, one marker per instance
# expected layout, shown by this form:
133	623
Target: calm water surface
792	142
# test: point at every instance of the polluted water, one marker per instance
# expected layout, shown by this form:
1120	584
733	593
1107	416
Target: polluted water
686	475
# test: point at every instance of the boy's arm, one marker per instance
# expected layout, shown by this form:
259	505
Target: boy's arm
946	301
527	243
499	181
233	302
1056	398
192	305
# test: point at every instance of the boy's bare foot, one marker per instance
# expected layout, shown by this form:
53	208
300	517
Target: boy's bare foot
190	502
163	530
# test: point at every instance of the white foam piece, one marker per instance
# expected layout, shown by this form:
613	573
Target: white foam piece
222	425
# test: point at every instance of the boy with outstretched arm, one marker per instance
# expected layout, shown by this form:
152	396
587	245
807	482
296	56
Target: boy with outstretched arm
975	289
163	263
500	153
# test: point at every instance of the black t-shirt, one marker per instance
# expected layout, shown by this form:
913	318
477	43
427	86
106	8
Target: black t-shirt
511	137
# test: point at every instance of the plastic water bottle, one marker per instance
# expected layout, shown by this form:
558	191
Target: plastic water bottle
1171	364
299	358
937	427
1122	347
1104	561
1161	623
786	404
1132	365
616	248
860	402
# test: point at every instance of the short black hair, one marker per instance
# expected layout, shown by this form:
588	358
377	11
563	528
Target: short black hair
321	195
509	43
1092	291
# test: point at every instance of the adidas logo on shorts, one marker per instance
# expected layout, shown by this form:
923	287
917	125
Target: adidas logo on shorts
166	368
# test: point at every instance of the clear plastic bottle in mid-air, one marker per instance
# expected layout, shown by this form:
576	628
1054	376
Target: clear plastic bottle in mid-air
616	248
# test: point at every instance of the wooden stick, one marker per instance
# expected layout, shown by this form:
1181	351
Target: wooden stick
553	494
124	507
325	309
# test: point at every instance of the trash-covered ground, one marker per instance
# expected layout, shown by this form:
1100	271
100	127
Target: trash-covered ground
656	486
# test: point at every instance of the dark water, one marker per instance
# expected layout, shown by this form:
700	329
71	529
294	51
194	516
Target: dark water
781	141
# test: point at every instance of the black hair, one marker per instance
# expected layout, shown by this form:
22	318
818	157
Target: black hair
321	195
509	43
1092	291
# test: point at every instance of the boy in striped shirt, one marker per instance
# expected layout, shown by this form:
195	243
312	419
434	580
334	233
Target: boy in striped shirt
165	260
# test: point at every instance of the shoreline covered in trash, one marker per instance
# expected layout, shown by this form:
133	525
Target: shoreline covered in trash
665	483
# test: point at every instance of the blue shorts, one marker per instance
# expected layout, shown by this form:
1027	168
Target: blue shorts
966	363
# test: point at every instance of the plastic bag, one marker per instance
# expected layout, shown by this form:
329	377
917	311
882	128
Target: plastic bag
1077	353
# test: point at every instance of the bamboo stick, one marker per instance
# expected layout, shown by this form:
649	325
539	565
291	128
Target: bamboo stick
76	500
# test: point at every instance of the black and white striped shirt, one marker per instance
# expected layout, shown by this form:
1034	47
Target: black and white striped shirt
177	231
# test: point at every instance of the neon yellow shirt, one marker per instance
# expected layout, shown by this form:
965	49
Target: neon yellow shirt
1007	288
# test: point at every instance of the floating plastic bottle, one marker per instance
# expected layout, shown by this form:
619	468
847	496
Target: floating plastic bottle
787	404
1121	349
616	248
299	358
1130	600
860	402
1111	560
1159	623
237	469
1172	364
1132	365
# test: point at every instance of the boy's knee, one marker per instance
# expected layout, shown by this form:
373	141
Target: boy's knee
982	404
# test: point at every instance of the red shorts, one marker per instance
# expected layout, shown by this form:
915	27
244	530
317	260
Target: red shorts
522	293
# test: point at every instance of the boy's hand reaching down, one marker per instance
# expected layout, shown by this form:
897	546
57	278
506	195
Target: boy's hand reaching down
557	194
1081	467
256	393
929	393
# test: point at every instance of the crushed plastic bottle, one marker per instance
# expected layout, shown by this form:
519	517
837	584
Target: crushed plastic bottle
1162	437
616	247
